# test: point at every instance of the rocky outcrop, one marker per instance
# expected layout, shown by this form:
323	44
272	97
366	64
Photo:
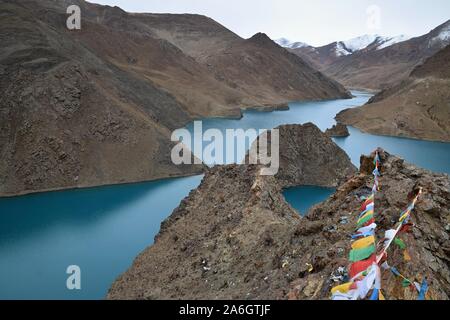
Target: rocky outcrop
97	106
338	130
418	107
235	237
309	157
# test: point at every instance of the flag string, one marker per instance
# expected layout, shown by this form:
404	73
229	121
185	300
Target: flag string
364	271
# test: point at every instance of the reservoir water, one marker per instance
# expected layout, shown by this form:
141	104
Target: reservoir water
103	229
304	197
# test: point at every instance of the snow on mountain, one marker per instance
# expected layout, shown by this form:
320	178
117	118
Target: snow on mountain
387	42
341	50
360	43
372	41
368	41
290	44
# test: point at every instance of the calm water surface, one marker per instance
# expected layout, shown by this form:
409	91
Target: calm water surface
101	230
303	198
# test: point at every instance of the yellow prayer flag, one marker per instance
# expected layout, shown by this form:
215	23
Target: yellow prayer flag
343	288
363	243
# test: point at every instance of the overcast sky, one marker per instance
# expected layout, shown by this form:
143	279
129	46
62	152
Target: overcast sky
316	22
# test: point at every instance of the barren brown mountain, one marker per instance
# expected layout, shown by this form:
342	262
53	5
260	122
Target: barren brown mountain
374	68
97	105
418	107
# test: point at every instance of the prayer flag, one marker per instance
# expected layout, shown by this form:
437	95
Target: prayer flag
363	243
360	266
361	254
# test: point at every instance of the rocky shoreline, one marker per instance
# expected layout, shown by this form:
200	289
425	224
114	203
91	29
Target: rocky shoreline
29	192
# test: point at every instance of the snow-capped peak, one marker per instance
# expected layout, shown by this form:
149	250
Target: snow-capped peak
372	41
360	43
290	44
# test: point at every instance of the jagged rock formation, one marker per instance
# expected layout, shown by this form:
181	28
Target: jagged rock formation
338	130
97	106
418	107
309	157
236	238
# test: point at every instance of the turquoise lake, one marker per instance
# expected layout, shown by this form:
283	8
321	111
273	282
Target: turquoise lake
103	229
303	198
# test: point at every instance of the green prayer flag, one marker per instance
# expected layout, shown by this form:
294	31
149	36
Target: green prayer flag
363	221
400	243
361	254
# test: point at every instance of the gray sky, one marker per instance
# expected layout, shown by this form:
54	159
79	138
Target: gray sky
316	22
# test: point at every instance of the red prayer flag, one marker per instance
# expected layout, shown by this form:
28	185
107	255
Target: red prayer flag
357	267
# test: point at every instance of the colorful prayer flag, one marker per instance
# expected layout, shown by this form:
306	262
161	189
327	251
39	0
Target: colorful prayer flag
363	243
361	254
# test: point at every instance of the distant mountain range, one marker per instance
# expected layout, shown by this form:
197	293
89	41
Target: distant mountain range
373	61
344	48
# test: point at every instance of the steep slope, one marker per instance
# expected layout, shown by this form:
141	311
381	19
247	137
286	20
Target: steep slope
71	119
226	72
418	107
97	106
258	69
375	62
235	237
